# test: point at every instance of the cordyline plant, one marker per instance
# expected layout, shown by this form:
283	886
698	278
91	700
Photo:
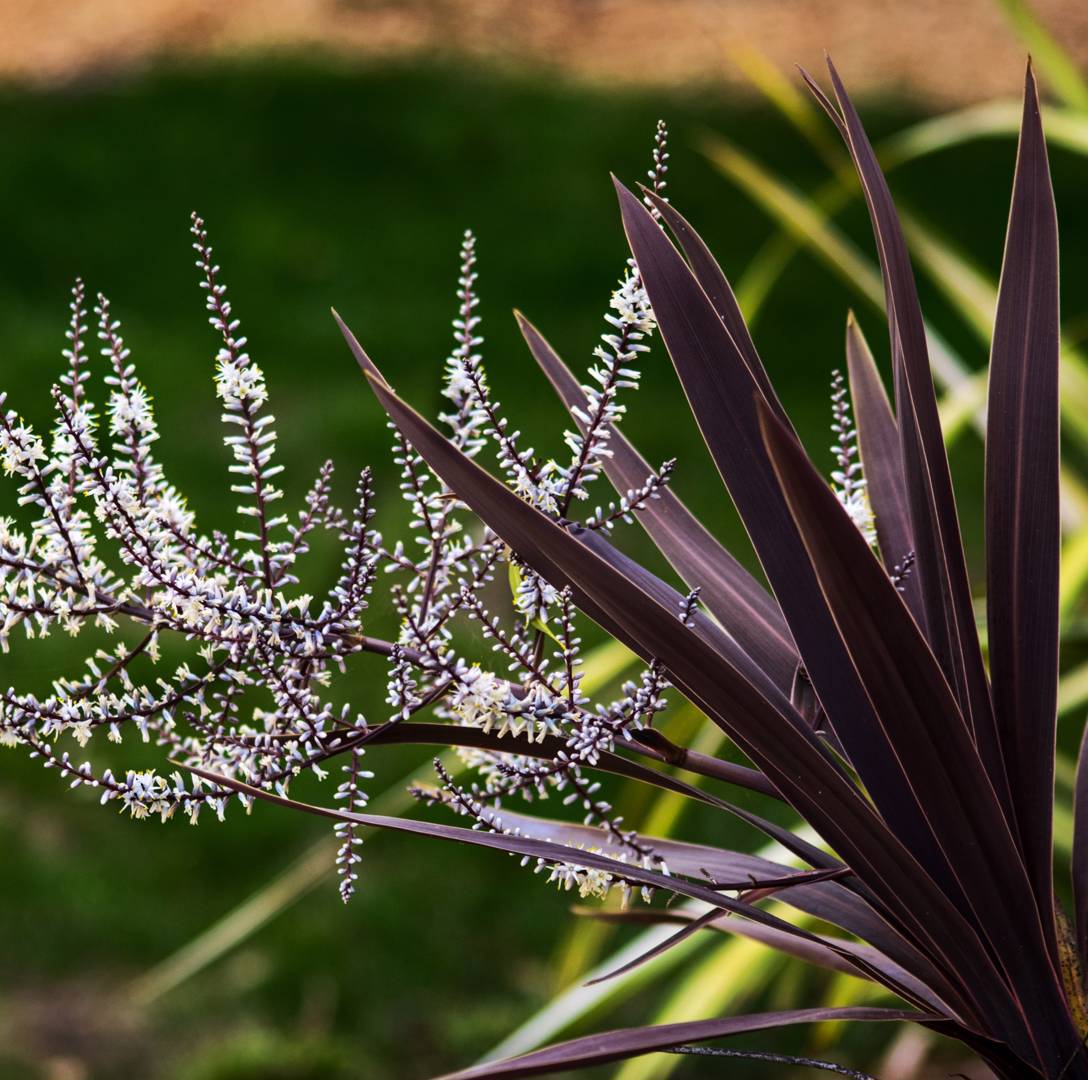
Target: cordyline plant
856	687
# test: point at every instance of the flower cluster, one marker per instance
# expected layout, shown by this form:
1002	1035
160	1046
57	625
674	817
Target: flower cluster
846	478
105	541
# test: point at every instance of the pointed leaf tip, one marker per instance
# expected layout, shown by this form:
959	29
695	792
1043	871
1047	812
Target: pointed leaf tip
368	366
1023	538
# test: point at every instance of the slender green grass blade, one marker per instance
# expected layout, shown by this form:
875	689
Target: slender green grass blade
810	225
1074	572
1059	69
729	973
1065	128
785	95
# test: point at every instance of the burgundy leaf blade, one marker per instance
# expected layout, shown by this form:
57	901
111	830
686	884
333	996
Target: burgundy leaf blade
632	1042
546	851
896	979
882	461
1023	533
830	901
719	292
398	733
782	747
917	708
940	563
662	947
723	396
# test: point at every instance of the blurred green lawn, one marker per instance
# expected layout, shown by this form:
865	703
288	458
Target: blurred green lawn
326	185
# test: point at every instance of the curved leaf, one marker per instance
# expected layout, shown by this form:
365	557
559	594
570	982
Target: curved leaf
630	1042
545	851
799	949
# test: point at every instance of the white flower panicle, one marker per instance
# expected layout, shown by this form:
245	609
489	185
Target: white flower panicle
660	167
241	387
72	379
631	320
352	798
110	543
469	416
847	478
902	571
100	542
591	882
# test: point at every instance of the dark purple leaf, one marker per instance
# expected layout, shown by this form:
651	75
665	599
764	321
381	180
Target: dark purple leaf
803	698
882	460
719	292
830	901
671	600
631	1042
764	888
653	743
1023	531
692	926
401	732
896	978
545	850
365	363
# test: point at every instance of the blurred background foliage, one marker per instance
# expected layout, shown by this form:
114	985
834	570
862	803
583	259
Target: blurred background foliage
330	181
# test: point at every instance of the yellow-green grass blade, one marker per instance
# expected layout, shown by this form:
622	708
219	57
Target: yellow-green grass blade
1063	829
842	989
1058	68
579	1002
960	407
1065	128
796	214
1074	576
730	972
788	98
1073	690
811	226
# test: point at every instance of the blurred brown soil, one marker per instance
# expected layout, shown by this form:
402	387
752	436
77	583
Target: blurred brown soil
941	52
